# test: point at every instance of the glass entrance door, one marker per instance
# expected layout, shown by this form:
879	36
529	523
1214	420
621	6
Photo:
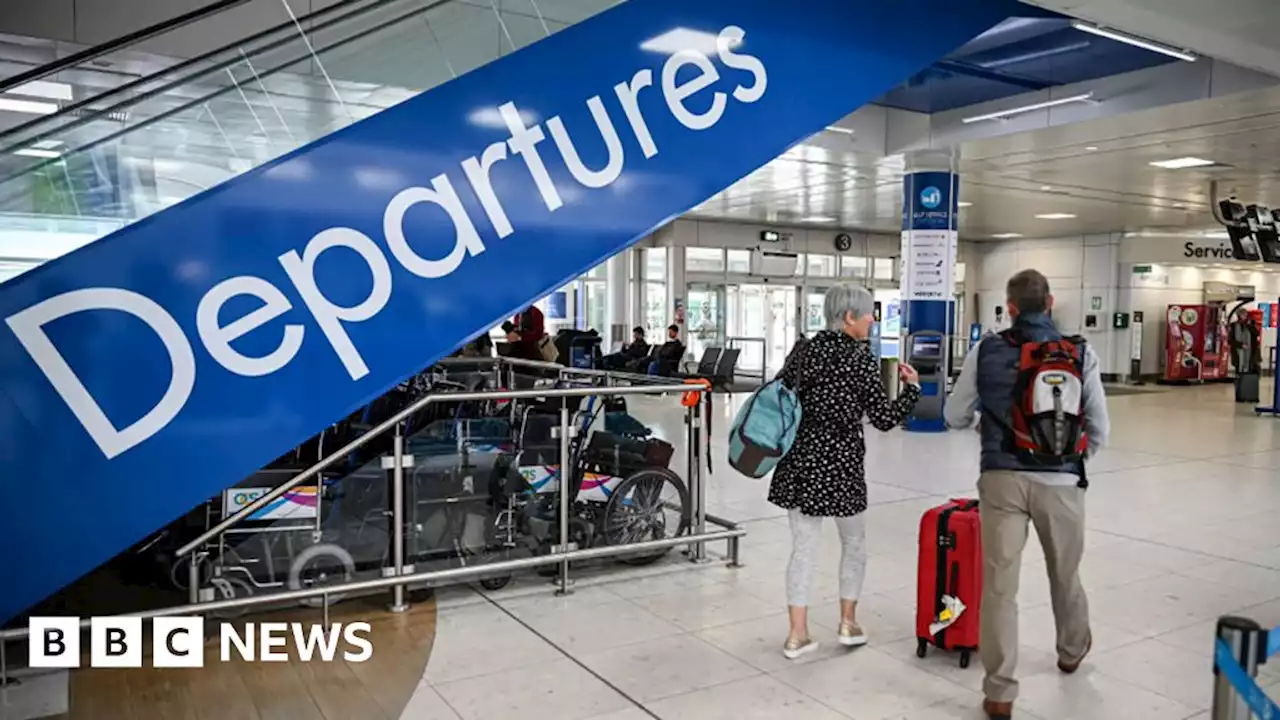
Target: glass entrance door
706	321
763	319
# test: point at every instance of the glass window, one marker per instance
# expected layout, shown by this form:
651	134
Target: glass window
740	261
821	265
595	302
655	264
599	272
882	268
703	260
853	267
655	309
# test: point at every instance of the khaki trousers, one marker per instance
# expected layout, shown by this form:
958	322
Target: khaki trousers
1009	500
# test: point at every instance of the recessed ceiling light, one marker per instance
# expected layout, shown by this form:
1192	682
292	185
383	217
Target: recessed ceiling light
1091	148
838	129
682	38
1182	162
1046	188
964	204
38	153
1134	40
1055	216
1006	236
44	89
1217	234
818	219
1083	97
28	106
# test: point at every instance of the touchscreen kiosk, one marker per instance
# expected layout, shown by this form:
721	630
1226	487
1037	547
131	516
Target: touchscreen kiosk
926	351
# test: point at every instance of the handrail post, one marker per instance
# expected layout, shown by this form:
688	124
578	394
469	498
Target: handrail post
1245	639
697	496
566	502
398	603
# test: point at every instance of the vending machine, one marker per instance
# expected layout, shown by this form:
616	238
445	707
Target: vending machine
1196	343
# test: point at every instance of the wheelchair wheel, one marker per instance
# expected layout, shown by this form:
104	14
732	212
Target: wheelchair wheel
318	565
652	504
495	583
230	587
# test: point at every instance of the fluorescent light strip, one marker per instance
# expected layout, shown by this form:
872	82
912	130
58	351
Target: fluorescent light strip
1006	236
38	153
1134	40
838	129
1055	216
1083	97
28	106
818	219
1182	163
964	204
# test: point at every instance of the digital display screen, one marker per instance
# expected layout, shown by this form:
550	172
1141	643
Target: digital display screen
926	347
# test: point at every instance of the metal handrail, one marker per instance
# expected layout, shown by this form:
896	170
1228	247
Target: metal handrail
459	574
183	107
404	414
110	46
133	99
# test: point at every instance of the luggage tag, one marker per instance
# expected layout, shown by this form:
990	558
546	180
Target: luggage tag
952	609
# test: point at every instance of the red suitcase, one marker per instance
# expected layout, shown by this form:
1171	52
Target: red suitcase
950	565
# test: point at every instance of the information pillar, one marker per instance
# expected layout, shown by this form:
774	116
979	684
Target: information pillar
929	234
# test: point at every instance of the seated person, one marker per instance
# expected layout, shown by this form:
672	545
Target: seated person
632	352
667	362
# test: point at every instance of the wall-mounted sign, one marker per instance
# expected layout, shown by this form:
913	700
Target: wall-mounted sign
770	236
1096	302
1142	269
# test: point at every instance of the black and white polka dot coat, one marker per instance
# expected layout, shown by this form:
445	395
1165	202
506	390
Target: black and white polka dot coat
838	381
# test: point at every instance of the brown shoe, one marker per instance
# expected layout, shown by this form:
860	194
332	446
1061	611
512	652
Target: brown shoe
998	710
1069	668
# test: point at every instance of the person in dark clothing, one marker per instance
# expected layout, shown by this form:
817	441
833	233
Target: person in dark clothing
529	327
667	363
636	350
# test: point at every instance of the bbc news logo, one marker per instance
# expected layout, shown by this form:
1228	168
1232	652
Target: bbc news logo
179	642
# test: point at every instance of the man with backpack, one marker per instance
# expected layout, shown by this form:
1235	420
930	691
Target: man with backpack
1044	414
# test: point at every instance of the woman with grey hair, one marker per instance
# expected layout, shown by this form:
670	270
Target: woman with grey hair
838	381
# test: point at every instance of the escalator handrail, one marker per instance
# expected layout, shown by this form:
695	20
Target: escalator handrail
229	49
109	137
110	46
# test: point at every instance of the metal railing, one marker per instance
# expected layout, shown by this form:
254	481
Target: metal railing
399	576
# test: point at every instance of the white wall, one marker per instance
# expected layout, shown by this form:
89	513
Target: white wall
1078	268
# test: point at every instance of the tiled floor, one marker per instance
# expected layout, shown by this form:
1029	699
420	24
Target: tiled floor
1180	532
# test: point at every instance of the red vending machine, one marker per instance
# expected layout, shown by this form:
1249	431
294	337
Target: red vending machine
1195	341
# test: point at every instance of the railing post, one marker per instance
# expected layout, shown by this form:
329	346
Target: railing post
1245	639
566	502
398	603
697	494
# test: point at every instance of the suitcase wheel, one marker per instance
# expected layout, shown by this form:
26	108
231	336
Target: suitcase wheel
922	647
964	659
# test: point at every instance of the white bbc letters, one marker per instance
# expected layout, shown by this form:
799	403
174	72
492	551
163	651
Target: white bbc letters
217	334
115	642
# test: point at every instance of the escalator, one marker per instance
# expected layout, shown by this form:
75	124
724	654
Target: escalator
339	232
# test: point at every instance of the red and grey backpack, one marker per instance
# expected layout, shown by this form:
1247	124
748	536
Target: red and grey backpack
1047	419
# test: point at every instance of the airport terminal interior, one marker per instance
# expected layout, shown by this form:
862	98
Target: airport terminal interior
462	319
